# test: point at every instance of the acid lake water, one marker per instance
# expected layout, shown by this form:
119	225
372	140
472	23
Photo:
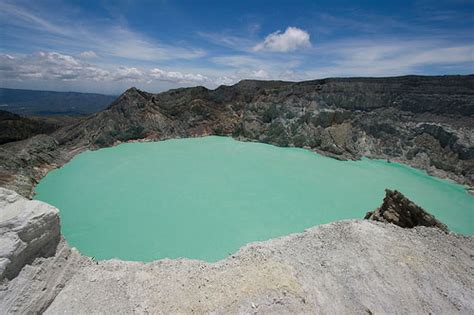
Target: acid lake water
204	198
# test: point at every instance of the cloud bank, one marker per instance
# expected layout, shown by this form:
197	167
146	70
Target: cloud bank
54	66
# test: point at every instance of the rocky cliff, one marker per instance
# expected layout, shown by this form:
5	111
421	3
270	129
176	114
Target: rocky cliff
343	267
28	229
426	122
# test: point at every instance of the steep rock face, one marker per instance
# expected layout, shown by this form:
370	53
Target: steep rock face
401	211
24	163
28	229
425	122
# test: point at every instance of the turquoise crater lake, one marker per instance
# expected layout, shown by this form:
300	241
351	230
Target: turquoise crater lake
204	198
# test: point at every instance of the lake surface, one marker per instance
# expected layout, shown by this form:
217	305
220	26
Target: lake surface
204	198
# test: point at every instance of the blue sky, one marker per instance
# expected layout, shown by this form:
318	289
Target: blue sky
108	46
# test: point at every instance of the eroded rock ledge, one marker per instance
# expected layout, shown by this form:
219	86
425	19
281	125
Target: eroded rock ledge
343	267
399	210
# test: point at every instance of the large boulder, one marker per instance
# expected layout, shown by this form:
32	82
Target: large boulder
401	211
28	229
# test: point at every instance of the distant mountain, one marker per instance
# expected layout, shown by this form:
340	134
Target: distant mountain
424	121
14	127
30	102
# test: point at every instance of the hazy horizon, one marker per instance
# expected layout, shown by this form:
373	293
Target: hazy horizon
191	86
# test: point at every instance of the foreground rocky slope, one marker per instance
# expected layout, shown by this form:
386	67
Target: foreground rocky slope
342	267
426	122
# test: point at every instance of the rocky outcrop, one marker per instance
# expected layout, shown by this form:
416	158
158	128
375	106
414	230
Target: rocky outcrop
399	210
28	229
425	122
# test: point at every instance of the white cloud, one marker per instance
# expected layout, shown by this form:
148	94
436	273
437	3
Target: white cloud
53	66
57	67
292	39
260	74
128	74
176	76
88	54
48	66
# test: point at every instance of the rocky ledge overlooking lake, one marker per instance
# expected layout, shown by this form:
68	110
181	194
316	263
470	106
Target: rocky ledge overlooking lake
343	267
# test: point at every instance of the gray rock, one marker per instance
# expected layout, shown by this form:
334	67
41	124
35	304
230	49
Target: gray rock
401	211
348	267
28	229
38	283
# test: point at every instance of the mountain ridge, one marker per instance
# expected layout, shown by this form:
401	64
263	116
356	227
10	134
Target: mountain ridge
424	122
